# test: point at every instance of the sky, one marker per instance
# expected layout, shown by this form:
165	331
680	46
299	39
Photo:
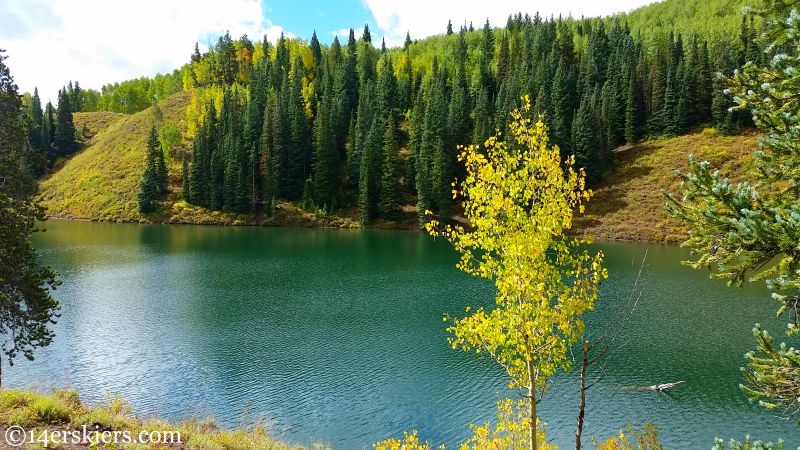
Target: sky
49	42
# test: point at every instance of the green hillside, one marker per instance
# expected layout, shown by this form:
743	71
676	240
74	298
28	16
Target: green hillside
629	204
101	181
688	17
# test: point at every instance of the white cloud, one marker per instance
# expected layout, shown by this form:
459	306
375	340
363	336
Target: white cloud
344	34
100	41
422	18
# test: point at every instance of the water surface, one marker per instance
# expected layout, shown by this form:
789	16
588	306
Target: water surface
336	336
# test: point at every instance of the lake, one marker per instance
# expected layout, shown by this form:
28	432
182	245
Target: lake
336	336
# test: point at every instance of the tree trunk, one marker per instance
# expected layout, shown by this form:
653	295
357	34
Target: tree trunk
532	411
582	403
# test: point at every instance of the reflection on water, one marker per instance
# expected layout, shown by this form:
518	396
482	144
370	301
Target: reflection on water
337	336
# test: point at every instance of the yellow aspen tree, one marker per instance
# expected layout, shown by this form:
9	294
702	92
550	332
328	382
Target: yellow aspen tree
520	197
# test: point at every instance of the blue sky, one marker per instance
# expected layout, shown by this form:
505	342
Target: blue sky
50	42
303	17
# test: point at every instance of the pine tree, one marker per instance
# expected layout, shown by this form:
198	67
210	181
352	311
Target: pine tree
433	152
270	142
748	231
584	135
561	97
369	172
64	138
27	308
227	59
326	156
200	169
503	60
151	182
316	50
49	132
367	36
196	54
631	125
159	164
391	190
36	116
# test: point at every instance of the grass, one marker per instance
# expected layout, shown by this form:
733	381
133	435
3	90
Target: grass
63	411
89	124
630	204
101	181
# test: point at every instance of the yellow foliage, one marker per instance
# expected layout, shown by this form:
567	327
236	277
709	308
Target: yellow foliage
409	442
520	198
511	431
198	108
644	439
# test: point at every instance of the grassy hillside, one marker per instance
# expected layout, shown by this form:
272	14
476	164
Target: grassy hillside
101	181
89	124
629	204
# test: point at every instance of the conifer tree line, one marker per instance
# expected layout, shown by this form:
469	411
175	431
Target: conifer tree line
154	179
360	126
51	130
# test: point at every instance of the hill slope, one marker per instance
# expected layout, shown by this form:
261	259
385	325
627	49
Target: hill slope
101	182
630	205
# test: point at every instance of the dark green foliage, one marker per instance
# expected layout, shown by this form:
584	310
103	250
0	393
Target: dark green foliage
326	156
27	307
154	179
200	173
367	36
750	231
315	128
64	136
391	194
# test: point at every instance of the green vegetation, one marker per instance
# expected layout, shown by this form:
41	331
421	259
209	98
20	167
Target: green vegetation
366	133
63	411
628	204
154	180
750	230
101	182
26	306
520	199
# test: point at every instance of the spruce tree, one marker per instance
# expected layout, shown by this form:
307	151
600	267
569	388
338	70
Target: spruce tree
64	138
325	157
36	116
366	36
48	132
159	164
561	97
391	190
749	231
27	307
151	182
584	136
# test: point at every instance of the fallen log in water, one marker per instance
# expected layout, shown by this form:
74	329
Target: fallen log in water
664	387
656	387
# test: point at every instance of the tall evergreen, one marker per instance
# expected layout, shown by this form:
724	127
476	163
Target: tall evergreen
391	190
326	161
64	136
154	176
